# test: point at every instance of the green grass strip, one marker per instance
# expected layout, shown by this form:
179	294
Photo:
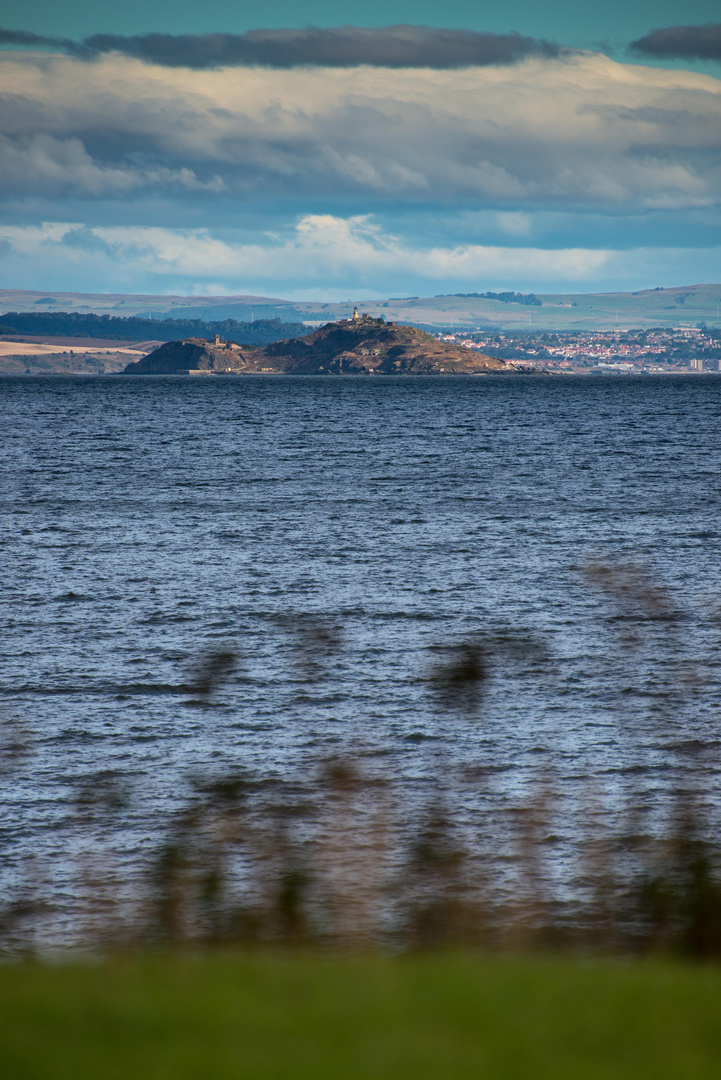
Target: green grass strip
208	1017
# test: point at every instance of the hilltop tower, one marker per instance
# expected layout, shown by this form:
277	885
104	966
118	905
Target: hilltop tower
355	317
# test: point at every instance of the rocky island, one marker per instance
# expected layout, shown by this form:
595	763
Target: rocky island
356	346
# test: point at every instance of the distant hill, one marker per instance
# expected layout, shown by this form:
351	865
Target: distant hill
481	309
348	347
527	299
135	328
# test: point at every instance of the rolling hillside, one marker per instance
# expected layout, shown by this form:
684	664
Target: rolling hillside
685	305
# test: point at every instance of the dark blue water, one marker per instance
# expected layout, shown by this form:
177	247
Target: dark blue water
147	521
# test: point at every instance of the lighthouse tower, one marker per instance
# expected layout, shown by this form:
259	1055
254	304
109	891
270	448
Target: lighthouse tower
355	316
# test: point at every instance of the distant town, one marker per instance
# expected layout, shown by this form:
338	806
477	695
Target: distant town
681	349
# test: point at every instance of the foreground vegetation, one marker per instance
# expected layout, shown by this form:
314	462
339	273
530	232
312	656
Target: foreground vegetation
328	924
343	854
436	1016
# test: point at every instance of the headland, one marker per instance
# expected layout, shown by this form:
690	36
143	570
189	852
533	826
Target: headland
361	345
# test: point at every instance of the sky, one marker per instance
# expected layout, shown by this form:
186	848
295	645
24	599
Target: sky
328	151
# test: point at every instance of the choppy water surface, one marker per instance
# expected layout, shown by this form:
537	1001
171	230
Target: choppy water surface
147	521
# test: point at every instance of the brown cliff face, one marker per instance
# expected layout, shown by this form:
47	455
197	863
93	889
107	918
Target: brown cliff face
349	347
192	354
370	345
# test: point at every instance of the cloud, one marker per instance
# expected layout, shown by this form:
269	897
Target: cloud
585	132
27	40
31	239
49	165
346	46
320	247
514	222
692	42
324	256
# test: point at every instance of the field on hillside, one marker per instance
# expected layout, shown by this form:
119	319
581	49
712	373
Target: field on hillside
38	355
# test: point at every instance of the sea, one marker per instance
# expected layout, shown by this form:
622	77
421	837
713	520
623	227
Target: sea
489	581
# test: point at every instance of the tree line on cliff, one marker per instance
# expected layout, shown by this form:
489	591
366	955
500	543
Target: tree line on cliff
529	299
136	328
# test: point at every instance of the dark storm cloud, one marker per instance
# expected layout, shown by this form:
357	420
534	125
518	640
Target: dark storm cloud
22	38
693	42
348	46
